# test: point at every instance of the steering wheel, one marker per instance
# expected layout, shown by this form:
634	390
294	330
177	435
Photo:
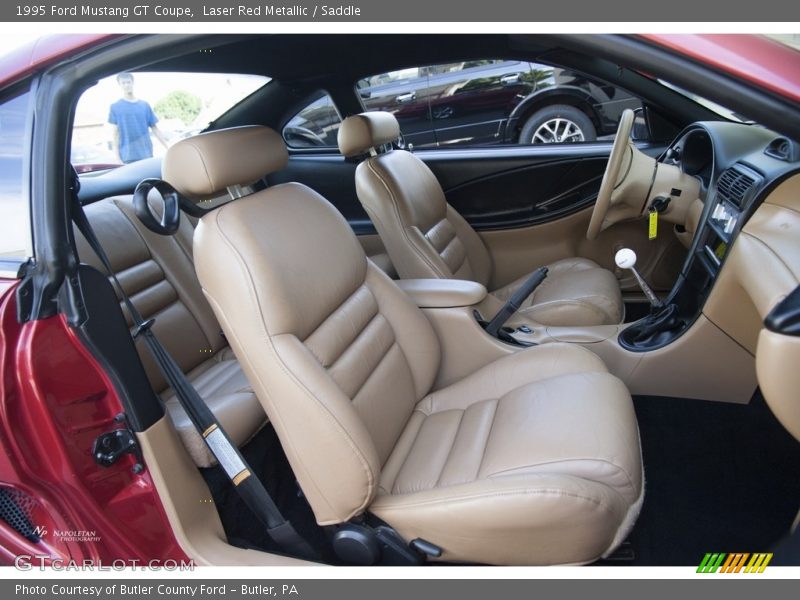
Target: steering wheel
605	196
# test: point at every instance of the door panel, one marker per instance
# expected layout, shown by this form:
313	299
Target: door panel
533	194
530	204
516	252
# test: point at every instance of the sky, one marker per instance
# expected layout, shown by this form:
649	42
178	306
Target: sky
9	41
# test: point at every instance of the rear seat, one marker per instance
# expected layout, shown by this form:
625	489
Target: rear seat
157	272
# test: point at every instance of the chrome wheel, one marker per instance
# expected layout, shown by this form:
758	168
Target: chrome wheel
557	131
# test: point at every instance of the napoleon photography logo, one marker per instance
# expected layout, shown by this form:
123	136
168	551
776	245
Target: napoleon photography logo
714	562
68	535
40	531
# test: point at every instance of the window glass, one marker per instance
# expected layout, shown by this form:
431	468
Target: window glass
15	229
710	105
130	117
494	102
477	103
403	93
316	126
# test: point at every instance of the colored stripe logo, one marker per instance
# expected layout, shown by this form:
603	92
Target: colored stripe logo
736	562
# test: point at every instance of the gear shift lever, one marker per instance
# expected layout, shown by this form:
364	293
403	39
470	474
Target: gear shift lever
657	328
626	259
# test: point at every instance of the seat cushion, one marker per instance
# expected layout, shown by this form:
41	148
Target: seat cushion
534	459
576	292
221	382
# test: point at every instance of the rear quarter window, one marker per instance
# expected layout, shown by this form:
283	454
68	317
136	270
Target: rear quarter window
133	116
15	227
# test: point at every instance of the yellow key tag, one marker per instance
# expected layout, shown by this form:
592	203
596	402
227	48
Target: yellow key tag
652	230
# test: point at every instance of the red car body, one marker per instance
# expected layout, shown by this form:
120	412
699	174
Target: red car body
55	397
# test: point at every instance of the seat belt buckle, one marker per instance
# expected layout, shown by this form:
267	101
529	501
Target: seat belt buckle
143	327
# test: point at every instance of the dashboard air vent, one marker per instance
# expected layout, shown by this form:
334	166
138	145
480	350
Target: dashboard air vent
734	186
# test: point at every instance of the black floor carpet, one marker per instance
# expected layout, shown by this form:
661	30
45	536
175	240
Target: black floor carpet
719	478
266	457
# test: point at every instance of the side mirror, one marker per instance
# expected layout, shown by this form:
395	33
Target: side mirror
641	126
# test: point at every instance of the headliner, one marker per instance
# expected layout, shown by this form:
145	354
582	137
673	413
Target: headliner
347	57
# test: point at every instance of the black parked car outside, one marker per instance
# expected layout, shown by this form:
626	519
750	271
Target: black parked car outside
477	102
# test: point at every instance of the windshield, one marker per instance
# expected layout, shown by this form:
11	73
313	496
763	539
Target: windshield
709	104
132	116
787	39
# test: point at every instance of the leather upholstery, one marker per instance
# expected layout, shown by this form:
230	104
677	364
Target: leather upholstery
546	438
533	459
241	156
360	133
442	293
330	352
423	235
576	292
157	272
426	238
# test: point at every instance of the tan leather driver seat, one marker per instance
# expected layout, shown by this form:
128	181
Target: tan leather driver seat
426	238
533	459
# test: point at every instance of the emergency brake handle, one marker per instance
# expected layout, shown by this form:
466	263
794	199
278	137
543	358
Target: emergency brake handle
517	298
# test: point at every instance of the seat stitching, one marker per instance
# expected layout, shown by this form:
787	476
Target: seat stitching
176	288
224	374
336	359
512	470
325	410
411	243
359	335
394	333
517	492
428	233
488	436
533	308
463	259
374	369
334	311
405	458
452	445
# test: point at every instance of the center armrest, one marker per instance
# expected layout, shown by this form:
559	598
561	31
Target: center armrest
443	293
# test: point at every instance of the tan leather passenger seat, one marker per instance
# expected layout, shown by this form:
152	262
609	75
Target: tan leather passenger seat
426	238
533	459
157	272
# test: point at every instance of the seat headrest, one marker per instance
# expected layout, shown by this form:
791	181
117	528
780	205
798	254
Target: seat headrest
361	132
207	164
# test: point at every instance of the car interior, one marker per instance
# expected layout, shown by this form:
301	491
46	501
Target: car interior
504	355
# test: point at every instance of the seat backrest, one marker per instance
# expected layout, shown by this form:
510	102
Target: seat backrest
424	236
158	274
337	354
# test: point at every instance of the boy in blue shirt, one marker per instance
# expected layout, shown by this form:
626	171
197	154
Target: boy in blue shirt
133	120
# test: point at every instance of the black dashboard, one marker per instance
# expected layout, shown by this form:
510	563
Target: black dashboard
737	165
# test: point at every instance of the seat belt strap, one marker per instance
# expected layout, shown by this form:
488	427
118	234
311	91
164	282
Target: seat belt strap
245	482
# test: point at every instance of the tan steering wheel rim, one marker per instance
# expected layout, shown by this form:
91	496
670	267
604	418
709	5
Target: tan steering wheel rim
621	143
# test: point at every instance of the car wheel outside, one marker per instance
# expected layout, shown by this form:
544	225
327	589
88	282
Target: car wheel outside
557	124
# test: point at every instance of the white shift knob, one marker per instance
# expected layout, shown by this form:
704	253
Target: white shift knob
625	258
